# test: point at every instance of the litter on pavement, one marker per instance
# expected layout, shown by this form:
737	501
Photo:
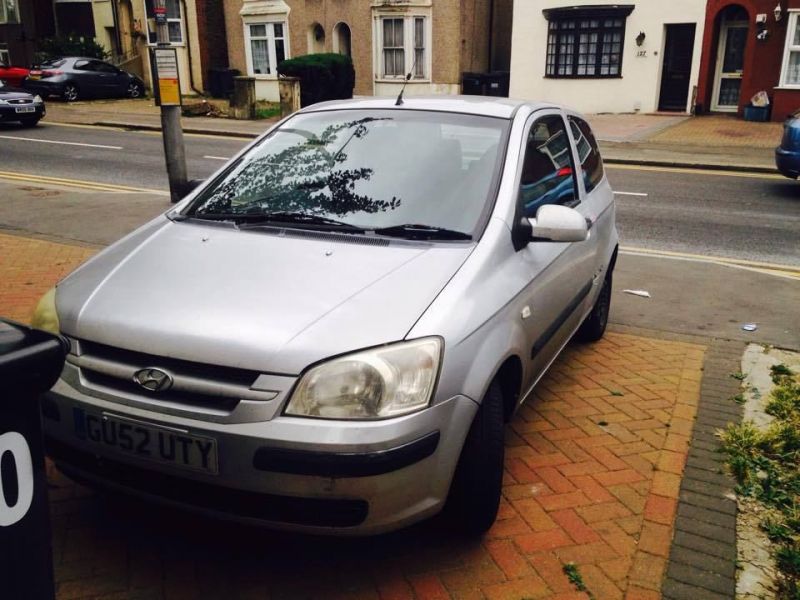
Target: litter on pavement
640	293
749	326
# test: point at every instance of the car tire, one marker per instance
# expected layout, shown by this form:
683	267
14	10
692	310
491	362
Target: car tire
70	93
135	90
478	481
594	326
29	122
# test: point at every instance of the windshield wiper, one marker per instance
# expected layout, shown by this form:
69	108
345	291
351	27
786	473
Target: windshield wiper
261	219
423	232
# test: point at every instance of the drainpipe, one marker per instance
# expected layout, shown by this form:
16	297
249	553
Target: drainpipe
491	37
189	48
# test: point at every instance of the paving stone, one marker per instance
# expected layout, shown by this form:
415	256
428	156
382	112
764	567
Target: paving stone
705	487
714	503
707	580
719	533
720	566
677	590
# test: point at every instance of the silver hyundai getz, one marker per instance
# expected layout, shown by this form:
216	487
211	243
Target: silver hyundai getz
329	334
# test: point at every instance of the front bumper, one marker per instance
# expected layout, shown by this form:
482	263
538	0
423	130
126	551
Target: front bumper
787	162
9	112
345	478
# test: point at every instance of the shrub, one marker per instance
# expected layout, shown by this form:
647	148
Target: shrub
322	76
70	45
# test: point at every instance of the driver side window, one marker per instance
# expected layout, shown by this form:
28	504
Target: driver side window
548	168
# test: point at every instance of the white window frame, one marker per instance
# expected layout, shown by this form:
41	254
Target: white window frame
270	38
181	20
789	47
409	28
4	11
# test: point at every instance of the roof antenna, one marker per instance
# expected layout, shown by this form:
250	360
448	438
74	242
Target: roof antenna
408	78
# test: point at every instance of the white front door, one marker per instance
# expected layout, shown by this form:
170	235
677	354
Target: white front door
730	65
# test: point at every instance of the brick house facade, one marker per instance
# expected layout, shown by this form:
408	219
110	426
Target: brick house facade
437	39
747	48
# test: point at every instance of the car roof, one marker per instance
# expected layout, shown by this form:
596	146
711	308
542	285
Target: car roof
475	105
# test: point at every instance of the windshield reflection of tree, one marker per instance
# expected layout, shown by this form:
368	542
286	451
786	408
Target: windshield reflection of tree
301	178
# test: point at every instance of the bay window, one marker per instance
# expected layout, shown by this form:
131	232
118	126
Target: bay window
585	42
790	73
9	12
265	47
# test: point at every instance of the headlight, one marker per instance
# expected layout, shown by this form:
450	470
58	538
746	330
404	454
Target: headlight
45	316
37	99
374	384
3	102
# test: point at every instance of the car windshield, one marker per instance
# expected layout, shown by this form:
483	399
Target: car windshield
401	171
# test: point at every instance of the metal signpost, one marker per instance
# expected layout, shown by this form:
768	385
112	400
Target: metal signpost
166	84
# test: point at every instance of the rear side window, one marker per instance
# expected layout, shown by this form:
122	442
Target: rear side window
547	168
82	65
52	64
102	67
588	153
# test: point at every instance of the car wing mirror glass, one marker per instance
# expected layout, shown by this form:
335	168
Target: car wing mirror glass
554	223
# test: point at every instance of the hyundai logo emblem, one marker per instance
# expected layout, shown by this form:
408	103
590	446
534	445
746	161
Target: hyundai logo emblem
153	380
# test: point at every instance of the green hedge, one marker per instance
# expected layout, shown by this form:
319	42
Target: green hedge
69	45
322	76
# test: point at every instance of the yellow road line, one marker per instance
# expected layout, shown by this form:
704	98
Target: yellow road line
77	183
720	172
785	271
124	129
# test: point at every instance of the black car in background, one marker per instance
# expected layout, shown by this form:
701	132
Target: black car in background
75	78
20	106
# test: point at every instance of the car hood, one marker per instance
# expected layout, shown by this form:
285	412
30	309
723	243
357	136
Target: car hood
251	299
9	93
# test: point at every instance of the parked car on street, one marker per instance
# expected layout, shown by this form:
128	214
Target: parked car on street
74	78
787	155
329	334
13	76
19	106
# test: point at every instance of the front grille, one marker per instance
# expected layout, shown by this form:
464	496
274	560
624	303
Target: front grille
320	512
95	379
184	367
21	101
206	387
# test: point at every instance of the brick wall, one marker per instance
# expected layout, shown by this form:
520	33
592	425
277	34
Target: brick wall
762	59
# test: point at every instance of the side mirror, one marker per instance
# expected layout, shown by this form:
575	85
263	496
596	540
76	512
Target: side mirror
554	223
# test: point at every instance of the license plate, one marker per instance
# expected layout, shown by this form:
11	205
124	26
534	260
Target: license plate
164	445
34	76
26	109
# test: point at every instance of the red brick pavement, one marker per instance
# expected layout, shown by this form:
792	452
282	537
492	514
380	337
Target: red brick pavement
593	469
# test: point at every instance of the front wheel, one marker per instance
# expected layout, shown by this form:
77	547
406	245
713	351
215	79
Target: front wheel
30	122
478	481
594	326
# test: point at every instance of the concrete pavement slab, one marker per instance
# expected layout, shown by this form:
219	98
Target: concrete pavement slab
90	217
705	299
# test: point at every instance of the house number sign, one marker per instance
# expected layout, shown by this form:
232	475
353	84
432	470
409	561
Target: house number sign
16	462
